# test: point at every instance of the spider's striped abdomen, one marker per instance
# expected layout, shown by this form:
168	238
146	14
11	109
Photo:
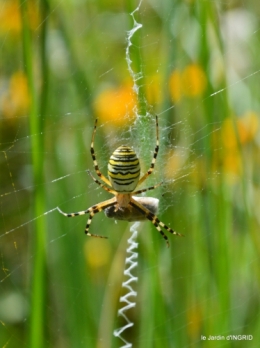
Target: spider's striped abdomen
124	169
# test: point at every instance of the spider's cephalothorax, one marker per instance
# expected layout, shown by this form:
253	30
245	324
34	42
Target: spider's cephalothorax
124	169
124	177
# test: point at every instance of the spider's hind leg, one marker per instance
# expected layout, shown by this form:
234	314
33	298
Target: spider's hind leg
150	216
154	219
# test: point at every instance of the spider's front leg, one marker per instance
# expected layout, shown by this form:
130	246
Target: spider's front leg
92	151
96	209
92	211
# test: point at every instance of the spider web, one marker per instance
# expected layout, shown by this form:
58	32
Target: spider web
85	275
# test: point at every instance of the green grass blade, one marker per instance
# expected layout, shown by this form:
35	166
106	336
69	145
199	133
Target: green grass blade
38	288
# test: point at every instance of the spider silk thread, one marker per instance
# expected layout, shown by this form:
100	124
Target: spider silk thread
130	34
131	262
131	256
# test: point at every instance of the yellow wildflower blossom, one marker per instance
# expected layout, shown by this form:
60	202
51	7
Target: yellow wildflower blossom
193	80
175	86
229	134
96	253
190	82
234	132
241	130
16	101
114	104
248	127
10	19
154	90
175	160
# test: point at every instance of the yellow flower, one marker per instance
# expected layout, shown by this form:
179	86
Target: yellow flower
175	86
97	254
174	162
234	131
10	20
232	162
193	80
16	101
194	318
229	134
231	154
114	104
10	17
241	130
154	90
247	127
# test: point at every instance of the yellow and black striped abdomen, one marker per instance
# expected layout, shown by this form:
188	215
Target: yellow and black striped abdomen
124	169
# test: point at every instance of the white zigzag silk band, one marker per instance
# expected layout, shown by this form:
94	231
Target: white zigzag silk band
130	263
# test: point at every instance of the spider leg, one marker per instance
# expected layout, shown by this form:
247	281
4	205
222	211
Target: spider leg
156	150
92	211
146	189
83	212
96	209
102	185
154	219
92	151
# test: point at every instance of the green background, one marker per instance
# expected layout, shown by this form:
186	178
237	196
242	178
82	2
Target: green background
59	288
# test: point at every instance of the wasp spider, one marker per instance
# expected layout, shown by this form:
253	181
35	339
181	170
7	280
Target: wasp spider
124	178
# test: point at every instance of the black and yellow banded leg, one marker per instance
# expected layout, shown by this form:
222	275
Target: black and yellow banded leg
83	212
154	219
147	189
91	215
96	209
104	187
156	150
92	151
92	211
150	217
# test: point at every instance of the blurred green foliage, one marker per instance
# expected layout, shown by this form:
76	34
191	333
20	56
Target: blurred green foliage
62	65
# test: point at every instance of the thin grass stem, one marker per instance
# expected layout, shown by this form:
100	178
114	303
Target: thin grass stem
38	288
